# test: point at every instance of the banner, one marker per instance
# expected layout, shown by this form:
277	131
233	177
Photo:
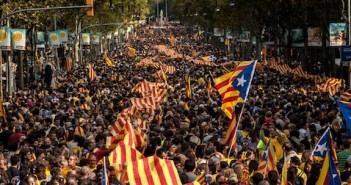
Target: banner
54	39
297	38
314	36
337	33
86	39
18	39
5	38
40	37
96	39
243	36
63	36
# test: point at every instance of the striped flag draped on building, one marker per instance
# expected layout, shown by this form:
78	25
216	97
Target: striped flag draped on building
152	171
234	87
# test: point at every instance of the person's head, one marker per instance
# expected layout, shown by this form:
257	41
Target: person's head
292	172
26	155
256	178
47	142
295	161
273	177
3	164
92	161
72	160
288	146
92	144
111	174
161	153
189	165
30	179
346	144
14	160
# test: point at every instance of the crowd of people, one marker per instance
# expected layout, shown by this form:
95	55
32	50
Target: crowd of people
56	134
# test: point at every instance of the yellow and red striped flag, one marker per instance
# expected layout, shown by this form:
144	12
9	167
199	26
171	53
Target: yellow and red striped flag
142	103
117	128
285	173
164	76
134	137
68	64
270	157
188	86
108	61
121	154
230	137
200	180
2	110
152	171
92	73
80	131
346	96
262	168
112	141
146	86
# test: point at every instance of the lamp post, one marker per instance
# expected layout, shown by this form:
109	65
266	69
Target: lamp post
349	33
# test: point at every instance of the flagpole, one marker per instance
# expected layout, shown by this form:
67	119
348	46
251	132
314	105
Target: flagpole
331	162
236	128
265	168
242	108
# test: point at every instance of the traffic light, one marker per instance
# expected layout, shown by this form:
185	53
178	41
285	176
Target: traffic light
90	11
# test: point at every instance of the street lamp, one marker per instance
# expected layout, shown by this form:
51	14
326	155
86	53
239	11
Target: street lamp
231	3
217	7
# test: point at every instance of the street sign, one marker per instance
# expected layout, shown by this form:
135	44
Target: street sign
345	53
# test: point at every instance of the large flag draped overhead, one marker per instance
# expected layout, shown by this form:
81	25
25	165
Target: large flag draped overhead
152	171
234	87
345	109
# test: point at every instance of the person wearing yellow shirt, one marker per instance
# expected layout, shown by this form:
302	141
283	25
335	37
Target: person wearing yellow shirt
72	164
270	134
295	162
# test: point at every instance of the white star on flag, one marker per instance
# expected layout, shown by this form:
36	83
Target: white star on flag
241	81
322	148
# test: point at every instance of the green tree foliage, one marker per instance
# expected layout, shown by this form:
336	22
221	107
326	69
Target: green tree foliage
105	11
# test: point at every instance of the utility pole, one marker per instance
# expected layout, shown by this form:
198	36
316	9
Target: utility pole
156	10
1	92
9	80
349	33
55	50
166	10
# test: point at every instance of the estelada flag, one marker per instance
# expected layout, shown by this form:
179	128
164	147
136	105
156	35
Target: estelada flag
234	86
